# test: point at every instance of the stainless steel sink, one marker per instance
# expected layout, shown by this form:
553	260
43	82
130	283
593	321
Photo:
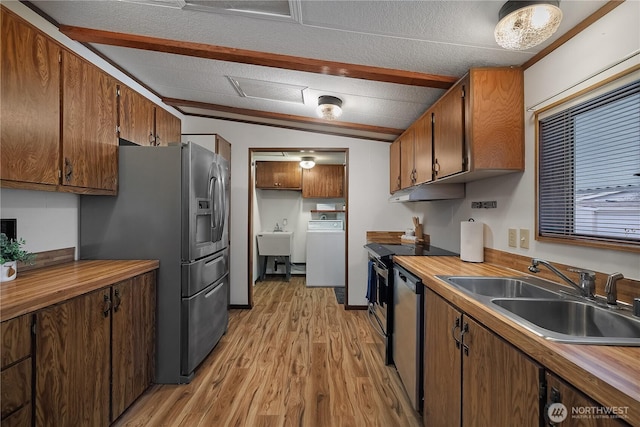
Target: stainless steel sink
574	321
551	310
503	287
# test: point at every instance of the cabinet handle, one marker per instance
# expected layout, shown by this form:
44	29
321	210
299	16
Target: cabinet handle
436	167
68	170
465	329
554	398
116	300
106	306
456	325
152	140
158	139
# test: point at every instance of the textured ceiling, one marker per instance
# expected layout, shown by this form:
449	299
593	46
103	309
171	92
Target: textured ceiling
434	37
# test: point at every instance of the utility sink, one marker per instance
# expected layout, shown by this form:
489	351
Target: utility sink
503	287
275	243
574	321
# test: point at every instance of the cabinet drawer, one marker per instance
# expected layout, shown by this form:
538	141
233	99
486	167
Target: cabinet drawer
21	418
16	339
16	387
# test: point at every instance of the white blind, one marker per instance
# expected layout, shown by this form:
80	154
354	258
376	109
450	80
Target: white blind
589	168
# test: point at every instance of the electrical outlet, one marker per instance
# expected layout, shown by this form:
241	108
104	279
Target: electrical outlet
524	238
513	237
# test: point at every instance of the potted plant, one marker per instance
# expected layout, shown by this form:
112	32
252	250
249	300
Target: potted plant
12	251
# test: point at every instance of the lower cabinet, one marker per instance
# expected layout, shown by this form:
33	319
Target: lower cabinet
15	390
473	377
85	344
576	409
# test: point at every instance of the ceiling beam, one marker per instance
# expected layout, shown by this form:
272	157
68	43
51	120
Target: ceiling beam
221	53
279	116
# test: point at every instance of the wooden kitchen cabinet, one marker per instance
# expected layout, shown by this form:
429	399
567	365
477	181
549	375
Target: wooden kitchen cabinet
278	175
423	149
29	104
95	354
559	391
407	152
323	181
133	340
137	117
471	376
72	362
15	388
394	166
168	127
89	125
449	132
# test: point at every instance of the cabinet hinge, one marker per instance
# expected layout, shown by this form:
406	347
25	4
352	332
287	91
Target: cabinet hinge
117	129
462	94
34	328
59	57
59	173
542	390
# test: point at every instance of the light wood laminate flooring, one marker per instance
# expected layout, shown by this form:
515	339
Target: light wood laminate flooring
296	359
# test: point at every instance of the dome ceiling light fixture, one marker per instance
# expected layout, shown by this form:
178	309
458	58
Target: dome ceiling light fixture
525	24
329	107
307	162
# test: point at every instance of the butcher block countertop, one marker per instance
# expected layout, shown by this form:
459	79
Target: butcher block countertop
36	289
610	375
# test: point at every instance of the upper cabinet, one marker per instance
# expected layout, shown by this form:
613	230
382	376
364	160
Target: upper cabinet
89	125
278	175
475	131
323	181
168	127
136	117
145	123
29	104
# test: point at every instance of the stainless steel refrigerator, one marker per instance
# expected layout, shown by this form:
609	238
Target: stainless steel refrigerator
172	205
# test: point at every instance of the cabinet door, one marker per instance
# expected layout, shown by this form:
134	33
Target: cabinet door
442	361
279	175
89	119
394	166
407	153
501	386
559	391
448	142
223	148
136	117
423	147
168	127
72	362
133	340
323	181
29	104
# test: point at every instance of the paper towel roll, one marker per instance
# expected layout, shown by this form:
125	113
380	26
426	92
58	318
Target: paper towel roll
471	241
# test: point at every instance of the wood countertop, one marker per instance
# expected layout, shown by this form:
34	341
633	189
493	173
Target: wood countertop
610	375
36	289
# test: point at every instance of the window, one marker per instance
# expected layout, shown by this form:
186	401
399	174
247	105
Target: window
589	168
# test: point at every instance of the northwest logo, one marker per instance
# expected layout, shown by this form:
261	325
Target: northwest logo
557	412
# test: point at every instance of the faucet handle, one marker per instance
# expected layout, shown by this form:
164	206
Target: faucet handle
587	280
584	273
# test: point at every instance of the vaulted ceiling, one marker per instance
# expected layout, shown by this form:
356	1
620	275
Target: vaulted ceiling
269	61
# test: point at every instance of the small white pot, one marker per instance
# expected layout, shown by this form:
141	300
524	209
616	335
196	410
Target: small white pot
8	271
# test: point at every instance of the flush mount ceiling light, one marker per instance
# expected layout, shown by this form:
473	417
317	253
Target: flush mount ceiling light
524	24
329	107
307	162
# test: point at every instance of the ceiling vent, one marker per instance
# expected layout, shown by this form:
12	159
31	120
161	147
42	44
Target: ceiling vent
281	10
272	91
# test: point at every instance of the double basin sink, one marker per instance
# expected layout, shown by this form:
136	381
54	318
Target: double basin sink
550	310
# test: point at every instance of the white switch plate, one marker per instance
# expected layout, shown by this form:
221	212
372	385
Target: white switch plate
524	238
513	238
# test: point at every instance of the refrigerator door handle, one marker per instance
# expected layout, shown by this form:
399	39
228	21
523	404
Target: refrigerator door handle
211	190
223	201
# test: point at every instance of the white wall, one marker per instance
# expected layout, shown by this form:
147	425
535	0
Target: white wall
604	43
45	220
367	203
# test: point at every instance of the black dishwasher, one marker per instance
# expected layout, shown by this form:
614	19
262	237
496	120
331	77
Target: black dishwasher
408	321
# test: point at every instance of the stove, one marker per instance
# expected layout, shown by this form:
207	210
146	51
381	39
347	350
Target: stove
387	251
380	285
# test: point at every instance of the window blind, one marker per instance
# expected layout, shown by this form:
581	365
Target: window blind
589	168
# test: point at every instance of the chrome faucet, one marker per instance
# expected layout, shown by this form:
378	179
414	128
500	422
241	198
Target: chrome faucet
587	284
611	290
278	228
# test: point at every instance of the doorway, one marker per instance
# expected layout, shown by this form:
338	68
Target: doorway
279	201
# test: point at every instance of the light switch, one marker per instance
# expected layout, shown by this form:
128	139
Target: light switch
513	238
524	238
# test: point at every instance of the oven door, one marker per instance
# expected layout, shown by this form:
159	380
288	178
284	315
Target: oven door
380	307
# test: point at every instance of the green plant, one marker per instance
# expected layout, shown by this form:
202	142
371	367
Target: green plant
11	250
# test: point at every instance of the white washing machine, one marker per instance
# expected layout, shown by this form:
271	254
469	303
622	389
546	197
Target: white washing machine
325	253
